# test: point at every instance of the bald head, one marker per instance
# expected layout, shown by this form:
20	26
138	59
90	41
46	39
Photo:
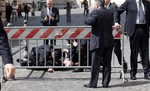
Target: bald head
49	3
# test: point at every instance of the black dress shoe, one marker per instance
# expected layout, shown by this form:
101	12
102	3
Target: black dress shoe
133	78
147	76
105	86
78	70
89	86
125	67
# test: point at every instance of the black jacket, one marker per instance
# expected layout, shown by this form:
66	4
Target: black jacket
42	52
101	21
130	7
55	15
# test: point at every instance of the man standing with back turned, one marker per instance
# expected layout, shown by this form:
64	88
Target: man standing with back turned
101	43
49	17
137	28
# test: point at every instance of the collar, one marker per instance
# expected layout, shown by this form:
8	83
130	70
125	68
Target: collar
107	6
138	1
49	8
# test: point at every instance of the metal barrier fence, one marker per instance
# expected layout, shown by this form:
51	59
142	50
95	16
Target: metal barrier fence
28	37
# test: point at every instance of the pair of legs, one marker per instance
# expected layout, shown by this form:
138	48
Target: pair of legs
118	52
105	53
26	15
68	16
86	11
139	41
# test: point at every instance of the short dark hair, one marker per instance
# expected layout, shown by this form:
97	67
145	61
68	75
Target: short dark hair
100	2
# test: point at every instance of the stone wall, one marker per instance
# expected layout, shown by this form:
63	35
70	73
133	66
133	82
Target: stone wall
2	9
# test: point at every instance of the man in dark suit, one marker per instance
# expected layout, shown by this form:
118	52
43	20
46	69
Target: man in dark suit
117	46
5	53
101	43
8	12
137	28
49	16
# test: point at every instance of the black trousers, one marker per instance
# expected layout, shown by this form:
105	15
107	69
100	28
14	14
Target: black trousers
118	51
139	41
106	53
5	52
8	17
26	15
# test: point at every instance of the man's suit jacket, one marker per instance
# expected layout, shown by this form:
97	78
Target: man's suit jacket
112	7
130	6
101	21
54	14
4	46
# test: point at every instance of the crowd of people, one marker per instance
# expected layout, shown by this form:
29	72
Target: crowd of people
103	19
14	11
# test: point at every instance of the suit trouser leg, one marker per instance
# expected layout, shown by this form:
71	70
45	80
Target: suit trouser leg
117	50
145	54
134	47
139	41
95	67
107	54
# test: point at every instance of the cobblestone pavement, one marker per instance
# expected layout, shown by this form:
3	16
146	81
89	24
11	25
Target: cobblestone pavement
28	80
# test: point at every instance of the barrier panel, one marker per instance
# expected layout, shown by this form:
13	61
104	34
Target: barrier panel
67	50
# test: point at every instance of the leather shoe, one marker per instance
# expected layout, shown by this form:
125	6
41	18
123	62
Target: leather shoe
133	78
89	86
147	76
78	70
105	86
125	67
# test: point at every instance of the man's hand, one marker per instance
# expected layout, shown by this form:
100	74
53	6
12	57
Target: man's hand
51	18
10	71
68	62
46	18
117	26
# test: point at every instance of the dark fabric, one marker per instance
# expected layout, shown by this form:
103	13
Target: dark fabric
139	41
55	15
130	7
42	52
105	53
83	53
101	44
101	21
118	51
5	51
8	12
26	8
117	42
139	34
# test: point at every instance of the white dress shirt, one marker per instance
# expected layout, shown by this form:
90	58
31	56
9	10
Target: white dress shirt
49	11
107	6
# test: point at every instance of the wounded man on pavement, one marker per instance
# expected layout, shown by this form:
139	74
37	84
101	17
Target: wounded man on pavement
46	55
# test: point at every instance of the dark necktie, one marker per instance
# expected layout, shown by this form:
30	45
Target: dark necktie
141	13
